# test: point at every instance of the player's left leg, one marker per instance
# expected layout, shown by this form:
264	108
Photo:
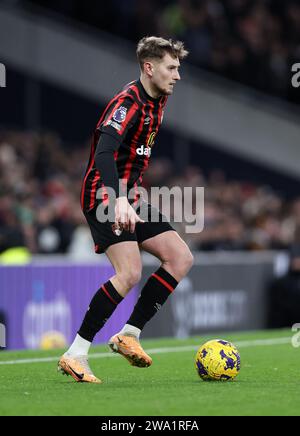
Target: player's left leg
156	236
176	261
174	254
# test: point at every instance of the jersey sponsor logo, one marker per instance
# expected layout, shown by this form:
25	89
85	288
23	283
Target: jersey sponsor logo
143	150
114	125
147	120
120	114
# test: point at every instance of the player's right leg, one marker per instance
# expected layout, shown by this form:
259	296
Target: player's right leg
125	258
127	345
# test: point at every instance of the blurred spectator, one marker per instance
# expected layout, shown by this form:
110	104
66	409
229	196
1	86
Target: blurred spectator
39	192
254	42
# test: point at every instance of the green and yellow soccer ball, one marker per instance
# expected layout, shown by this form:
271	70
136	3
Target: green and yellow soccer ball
217	360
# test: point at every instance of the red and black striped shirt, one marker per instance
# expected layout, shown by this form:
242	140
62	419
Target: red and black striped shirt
133	118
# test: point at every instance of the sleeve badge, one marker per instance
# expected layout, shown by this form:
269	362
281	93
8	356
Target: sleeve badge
120	114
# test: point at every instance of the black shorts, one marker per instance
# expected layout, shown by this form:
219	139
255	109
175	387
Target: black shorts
104	235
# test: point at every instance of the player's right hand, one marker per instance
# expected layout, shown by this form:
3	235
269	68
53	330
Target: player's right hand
125	216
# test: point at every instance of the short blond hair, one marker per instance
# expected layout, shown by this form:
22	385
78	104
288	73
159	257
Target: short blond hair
154	47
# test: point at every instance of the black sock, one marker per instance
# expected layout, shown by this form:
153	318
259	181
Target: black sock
154	294
101	308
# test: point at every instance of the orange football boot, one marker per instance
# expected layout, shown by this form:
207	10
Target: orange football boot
130	348
78	368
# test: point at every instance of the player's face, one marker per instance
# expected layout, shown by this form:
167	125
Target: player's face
165	74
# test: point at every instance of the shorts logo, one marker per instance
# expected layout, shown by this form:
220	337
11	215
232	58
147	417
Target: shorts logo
117	231
120	114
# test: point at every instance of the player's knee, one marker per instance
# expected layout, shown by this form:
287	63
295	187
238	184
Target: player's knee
130	277
133	277
182	262
187	260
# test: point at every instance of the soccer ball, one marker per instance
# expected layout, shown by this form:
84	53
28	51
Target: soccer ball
52	340
217	360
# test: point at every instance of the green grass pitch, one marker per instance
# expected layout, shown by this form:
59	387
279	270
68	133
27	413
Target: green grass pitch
268	383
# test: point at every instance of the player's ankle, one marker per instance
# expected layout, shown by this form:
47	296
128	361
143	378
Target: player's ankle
130	330
80	347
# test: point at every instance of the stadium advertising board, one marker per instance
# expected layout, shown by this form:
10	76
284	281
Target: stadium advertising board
48	302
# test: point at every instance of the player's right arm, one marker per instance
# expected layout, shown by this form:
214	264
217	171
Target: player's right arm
125	216
119	118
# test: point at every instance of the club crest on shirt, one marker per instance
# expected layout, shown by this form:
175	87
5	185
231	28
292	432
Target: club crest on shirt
120	114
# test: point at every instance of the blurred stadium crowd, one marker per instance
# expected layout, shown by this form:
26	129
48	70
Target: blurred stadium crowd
39	201
253	42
